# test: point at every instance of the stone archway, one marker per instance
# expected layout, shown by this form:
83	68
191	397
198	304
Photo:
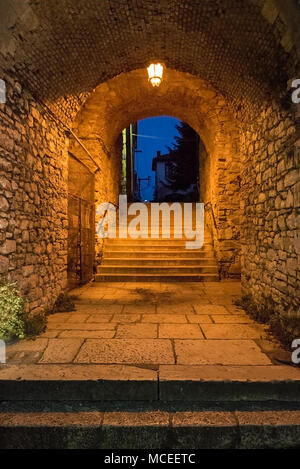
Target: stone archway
245	51
128	98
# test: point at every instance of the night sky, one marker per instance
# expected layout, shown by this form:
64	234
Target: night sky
162	129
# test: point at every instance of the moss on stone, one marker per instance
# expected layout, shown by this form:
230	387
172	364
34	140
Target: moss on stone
36	323
63	304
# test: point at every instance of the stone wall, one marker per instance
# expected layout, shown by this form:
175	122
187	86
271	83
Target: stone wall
106	169
270	203
33	199
220	178
225	182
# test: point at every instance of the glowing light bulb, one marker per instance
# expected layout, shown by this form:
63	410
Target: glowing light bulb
155	73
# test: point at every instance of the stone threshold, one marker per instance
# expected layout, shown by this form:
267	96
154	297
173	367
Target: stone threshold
189	383
150	430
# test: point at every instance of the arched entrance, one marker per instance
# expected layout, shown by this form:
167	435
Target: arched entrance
75	76
227	73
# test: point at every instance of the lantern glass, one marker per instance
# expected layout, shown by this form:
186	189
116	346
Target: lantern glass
155	73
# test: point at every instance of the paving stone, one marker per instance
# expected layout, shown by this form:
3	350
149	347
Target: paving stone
235	309
232	319
201	300
91	326
61	350
49	334
180	331
92	309
77	317
135	351
23	357
28	345
131	331
58	317
87	334
210	309
175	309
71	372
218	373
164	318
232	331
221	300
219	352
102	308
199	318
139	309
124	318
98	318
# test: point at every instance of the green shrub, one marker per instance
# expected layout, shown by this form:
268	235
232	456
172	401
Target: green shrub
12	312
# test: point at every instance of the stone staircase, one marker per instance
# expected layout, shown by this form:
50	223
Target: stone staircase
119	407
161	259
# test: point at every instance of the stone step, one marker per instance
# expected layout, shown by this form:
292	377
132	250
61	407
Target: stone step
165	383
146	236
155	241
155	247
172	406
188	253
156	261
151	430
166	260
156	277
157	269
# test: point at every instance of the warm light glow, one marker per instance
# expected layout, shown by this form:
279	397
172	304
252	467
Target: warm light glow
155	73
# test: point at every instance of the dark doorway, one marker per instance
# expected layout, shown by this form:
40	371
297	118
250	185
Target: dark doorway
81	216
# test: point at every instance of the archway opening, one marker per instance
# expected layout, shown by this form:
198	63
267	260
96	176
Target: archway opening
109	110
160	161
226	75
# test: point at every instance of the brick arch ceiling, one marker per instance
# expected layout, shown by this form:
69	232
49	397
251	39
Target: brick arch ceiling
129	97
62	49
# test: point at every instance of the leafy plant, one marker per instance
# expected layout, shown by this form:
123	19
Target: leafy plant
12	312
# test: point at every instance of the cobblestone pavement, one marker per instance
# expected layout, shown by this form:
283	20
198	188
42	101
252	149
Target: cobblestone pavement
151	324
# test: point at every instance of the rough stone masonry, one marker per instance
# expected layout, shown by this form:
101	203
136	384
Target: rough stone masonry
229	66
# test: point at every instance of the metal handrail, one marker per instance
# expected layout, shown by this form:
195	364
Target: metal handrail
209	204
105	213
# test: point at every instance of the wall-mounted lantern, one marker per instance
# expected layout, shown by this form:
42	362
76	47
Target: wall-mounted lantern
155	73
